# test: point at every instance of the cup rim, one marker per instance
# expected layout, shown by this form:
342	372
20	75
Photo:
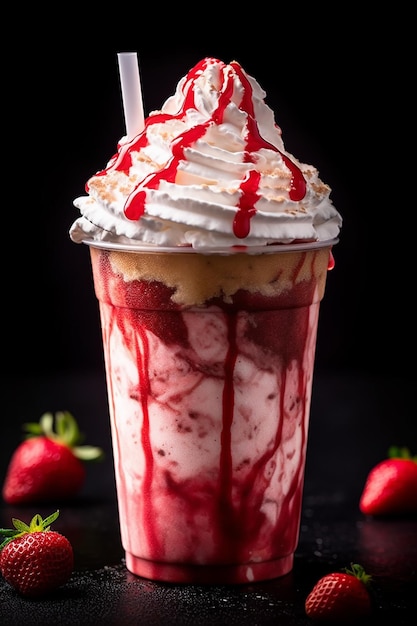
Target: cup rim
220	250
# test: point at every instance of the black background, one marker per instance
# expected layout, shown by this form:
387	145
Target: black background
342	94
341	84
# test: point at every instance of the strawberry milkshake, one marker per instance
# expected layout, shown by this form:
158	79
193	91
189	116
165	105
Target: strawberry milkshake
210	246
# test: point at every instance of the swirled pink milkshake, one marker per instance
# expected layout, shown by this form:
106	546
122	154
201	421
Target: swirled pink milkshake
210	246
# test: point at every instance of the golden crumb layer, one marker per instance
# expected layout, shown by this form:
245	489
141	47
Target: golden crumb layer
196	278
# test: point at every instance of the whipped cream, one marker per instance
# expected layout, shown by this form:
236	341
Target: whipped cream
209	169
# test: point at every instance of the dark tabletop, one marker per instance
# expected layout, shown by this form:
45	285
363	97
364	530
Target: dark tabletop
354	419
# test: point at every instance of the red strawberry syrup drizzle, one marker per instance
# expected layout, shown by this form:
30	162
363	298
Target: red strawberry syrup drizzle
232	504
249	186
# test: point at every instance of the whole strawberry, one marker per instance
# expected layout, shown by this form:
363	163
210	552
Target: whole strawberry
340	597
391	485
49	464
34	559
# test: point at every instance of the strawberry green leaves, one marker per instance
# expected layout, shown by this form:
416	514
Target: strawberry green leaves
37	525
63	428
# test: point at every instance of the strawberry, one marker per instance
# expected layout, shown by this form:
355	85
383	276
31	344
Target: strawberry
340	597
34	559
391	485
48	464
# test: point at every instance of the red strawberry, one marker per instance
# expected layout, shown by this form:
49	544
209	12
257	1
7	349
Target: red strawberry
34	559
391	485
48	464
340	597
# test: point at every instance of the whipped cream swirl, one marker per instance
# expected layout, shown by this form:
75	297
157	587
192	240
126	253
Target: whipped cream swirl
209	169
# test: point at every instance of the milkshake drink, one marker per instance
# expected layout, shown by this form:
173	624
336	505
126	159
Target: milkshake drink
210	246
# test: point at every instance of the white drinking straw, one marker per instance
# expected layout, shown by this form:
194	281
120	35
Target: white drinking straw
131	93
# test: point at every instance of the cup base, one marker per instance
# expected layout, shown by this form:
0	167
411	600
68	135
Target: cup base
209	574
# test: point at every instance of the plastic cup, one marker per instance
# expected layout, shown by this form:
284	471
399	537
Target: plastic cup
209	365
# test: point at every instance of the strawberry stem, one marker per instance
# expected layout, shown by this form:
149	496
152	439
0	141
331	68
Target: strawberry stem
359	572
37	524
63	429
400	452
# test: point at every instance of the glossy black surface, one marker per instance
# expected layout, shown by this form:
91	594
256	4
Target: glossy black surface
353	421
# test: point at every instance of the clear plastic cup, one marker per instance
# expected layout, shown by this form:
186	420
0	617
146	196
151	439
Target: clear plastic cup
209	362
